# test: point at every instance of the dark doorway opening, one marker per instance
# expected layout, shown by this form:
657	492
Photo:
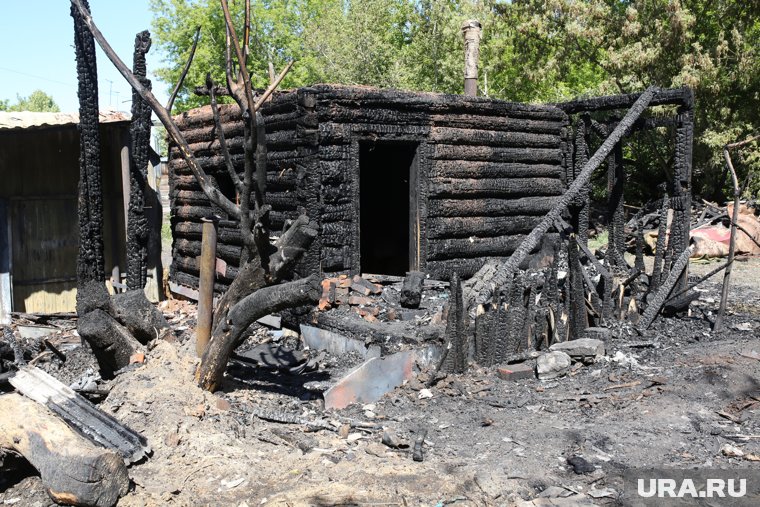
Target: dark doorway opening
385	172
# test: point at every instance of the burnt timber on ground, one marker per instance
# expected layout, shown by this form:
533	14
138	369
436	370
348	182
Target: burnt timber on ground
484	171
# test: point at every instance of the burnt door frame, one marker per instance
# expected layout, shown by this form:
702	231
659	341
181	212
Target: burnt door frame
417	194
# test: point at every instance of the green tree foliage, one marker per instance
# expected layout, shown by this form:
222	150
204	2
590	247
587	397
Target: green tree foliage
38	101
531	51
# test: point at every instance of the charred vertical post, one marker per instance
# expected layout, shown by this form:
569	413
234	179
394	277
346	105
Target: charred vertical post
659	254
206	286
682	181
615	210
577	310
90	260
139	132
456	330
579	209
471	31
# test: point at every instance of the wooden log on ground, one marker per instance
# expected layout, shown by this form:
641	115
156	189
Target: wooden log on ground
138	315
111	342
73	470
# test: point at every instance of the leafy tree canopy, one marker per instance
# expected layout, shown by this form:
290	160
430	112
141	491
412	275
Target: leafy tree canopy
38	101
531	51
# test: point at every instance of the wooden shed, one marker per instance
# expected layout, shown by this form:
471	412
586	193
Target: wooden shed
39	170
396	180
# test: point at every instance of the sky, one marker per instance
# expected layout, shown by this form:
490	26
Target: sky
37	38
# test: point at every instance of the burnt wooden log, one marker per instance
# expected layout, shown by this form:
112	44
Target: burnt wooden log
142	319
481	289
490	207
411	289
138	229
112	343
497	123
455	355
496	154
458	248
193	230
679	96
655	303
487	170
494	187
480	137
90	260
73	470
464	227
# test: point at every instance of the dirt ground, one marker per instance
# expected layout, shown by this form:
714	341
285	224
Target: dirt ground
673	397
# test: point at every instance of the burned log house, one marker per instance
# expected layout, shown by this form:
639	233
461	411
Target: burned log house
402	181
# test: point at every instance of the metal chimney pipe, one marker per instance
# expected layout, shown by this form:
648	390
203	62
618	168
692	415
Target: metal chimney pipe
471	31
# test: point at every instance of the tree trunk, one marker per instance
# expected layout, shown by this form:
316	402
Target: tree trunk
251	308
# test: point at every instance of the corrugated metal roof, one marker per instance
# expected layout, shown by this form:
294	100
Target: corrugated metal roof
27	119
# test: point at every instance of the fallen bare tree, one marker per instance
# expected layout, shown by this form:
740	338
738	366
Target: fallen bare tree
255	291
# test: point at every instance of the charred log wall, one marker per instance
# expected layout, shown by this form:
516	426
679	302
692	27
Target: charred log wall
485	173
291	149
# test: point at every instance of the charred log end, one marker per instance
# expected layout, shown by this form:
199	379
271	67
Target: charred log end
93	295
112	343
138	315
411	290
73	471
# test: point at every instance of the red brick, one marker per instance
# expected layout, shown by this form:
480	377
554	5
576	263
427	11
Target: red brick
516	372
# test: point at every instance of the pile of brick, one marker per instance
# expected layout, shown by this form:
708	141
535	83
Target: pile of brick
355	292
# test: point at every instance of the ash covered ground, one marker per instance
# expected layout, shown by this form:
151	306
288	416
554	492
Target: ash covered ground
679	396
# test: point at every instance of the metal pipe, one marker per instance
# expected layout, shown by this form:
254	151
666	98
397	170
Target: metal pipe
206	286
471	30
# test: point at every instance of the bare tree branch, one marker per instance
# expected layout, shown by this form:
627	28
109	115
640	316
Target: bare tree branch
272	87
204	181
182	77
241	60
220	133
